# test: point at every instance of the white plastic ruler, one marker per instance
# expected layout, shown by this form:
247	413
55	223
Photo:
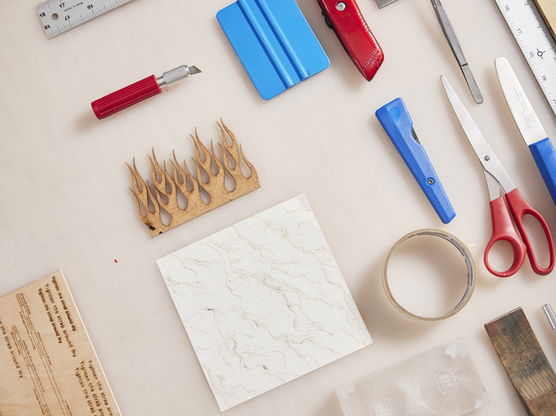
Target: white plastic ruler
59	16
535	41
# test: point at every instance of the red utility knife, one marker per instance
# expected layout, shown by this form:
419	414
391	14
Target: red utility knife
345	18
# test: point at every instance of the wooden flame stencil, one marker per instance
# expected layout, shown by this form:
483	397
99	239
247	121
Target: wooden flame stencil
174	195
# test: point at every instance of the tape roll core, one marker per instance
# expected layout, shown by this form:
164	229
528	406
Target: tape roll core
469	264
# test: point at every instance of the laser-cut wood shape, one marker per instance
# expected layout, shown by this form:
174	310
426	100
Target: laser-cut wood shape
174	195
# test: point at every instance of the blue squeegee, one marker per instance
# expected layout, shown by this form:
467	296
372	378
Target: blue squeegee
274	42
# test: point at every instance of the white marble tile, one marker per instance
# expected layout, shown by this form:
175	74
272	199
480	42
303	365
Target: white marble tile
263	302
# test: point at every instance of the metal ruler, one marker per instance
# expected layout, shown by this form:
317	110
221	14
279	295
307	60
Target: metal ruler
535	41
59	16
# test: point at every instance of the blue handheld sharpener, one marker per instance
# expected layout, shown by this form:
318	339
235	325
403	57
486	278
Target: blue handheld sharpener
397	122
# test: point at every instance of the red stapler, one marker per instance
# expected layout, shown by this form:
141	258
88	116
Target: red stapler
345	18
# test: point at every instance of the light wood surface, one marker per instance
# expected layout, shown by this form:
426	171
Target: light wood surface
64	202
47	361
548	10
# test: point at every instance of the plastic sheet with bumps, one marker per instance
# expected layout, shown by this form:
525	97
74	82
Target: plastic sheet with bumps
440	382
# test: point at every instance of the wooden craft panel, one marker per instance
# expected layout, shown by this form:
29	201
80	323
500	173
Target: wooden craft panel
525	362
217	180
548	11
48	366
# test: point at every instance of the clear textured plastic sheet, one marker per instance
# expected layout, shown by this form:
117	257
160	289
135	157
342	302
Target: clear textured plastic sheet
440	382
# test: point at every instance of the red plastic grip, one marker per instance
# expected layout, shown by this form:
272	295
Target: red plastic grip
125	97
354	33
503	229
520	208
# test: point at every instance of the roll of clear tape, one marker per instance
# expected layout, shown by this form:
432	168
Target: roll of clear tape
469	264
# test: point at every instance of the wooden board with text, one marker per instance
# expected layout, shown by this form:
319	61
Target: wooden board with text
47	362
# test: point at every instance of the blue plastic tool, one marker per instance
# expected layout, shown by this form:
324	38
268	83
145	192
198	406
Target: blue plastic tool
545	156
274	42
396	120
528	123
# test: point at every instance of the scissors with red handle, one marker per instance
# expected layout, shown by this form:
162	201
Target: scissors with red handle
508	208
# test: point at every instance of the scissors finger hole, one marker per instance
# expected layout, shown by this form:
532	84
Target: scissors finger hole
537	240
501	256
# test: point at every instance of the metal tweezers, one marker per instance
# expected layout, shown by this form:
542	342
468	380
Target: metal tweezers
456	49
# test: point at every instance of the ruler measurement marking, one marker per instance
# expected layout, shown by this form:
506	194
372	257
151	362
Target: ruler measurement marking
535	41
59	16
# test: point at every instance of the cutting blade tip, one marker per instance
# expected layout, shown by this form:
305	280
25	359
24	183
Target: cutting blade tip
194	70
384	3
445	81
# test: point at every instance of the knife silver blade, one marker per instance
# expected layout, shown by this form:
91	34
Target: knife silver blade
549	312
384	3
525	117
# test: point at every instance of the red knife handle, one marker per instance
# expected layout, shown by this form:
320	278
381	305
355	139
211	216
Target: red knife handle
125	97
354	33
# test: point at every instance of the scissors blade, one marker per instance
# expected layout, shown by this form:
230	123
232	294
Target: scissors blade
493	187
488	159
525	117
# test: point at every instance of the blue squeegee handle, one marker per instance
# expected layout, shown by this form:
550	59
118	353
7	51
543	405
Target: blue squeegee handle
396	120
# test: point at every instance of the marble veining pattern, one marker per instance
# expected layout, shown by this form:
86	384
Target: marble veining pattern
263	302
